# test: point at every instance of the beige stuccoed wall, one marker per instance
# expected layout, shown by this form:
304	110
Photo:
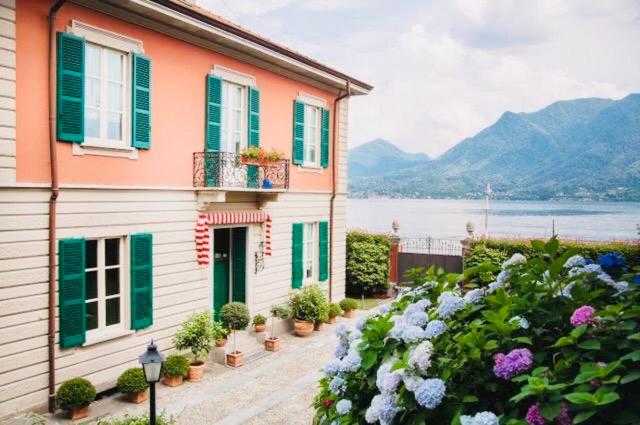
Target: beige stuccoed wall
7	91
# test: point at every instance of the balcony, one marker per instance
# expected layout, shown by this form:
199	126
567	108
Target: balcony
229	172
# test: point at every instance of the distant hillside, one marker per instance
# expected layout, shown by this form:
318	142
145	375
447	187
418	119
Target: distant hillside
576	149
379	157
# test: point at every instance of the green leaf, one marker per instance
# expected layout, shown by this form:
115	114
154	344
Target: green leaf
634	337
634	356
550	411
552	246
583	416
523	340
563	342
577	332
470	399
608	398
537	245
369	358
591	344
630	377
581	398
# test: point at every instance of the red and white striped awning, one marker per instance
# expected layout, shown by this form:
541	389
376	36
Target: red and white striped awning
228	217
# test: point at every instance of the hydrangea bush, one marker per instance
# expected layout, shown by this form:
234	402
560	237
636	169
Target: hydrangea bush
553	340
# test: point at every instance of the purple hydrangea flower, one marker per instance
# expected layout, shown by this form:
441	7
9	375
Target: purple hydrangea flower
534	417
564	418
582	316
430	393
512	364
343	407
435	328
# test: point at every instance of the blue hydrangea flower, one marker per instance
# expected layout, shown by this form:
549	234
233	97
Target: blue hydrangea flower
593	268
398	328
343	407
332	368
384	309
606	278
449	305
493	287
341	349
620	286
416	318
576	271
420	305
354	334
503	276
474	296
636	279
351	362
514	260
360	323
435	328
575	261
482	418
383	408
342	330
611	260
337	385
411	381
430	393
420	358
413	333
566	291
387	381
522	322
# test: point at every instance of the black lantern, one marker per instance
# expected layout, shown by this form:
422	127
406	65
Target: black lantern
152	362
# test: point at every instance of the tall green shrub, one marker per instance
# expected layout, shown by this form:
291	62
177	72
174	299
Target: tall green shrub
367	262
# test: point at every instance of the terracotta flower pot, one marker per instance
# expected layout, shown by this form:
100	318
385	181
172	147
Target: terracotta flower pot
172	381
349	313
261	328
235	358
78	413
138	397
331	320
196	370
221	342
272	344
302	327
317	326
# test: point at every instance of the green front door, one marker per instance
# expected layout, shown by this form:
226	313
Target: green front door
239	263
221	240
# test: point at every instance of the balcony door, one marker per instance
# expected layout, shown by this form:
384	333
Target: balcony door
229	267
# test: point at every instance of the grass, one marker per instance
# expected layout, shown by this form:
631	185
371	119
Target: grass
370	303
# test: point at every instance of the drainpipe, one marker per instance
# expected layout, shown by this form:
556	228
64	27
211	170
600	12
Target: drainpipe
51	334
334	187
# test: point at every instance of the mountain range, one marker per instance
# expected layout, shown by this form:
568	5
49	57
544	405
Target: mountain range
573	149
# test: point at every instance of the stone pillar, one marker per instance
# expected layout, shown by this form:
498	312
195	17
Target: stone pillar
393	254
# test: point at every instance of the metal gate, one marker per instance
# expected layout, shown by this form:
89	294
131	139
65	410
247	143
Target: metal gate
427	252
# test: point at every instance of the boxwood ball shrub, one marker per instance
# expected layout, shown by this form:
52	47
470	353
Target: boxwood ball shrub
349	304
75	393
196	334
309	303
334	309
132	381
554	339
235	316
367	262
176	365
259	319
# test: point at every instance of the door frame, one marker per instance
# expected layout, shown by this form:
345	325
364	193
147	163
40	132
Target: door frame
249	263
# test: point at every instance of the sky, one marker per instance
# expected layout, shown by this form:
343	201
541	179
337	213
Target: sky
445	69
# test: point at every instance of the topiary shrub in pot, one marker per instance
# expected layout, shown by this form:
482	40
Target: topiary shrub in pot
259	322
281	312
196	334
176	367
236	317
349	306
220	334
133	384
334	311
75	396
309	305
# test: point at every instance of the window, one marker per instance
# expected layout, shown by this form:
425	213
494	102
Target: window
309	252
312	116
234	115
104	285
106	91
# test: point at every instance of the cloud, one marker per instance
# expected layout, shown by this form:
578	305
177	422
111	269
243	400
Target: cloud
444	70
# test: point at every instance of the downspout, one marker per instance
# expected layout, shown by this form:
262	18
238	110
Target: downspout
51	333
334	189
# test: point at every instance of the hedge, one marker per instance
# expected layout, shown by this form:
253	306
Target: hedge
367	262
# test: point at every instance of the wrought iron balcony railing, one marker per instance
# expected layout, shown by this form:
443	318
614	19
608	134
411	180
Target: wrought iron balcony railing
230	170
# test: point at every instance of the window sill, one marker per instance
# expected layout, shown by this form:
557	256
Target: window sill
102	150
310	169
106	336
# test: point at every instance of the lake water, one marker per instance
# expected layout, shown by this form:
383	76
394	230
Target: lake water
447	219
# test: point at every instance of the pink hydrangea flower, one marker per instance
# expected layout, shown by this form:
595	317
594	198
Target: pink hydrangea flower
582	316
534	417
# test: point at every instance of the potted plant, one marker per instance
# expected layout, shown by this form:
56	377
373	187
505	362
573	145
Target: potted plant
260	323
196	334
176	367
133	384
272	343
309	305
220	334
272	157
349	305
334	310
236	317
253	155
75	396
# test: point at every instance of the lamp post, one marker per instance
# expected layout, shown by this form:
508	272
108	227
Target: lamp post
152	362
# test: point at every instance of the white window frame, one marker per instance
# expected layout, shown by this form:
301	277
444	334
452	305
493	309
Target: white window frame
311	101
127	45
314	252
104	332
226	132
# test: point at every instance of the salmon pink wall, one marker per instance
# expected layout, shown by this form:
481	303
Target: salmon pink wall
178	99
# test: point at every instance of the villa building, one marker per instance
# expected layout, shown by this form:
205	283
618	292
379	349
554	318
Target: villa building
131	192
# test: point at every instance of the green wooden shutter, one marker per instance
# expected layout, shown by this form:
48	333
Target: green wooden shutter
254	117
70	88
323	259
296	255
141	102
298	132
71	281
324	139
239	263
213	113
141	280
